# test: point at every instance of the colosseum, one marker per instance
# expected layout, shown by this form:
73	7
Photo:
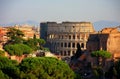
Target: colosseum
62	38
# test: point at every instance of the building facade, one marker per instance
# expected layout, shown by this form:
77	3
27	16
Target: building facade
29	31
62	38
108	39
3	37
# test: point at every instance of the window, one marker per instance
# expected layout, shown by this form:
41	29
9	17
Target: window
69	44
65	44
73	36
61	44
69	36
78	37
68	53
73	44
82	45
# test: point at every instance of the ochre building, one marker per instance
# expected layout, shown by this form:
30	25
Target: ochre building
3	37
29	32
62	38
108	39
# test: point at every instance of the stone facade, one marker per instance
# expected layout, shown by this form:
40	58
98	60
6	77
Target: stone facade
108	39
62	38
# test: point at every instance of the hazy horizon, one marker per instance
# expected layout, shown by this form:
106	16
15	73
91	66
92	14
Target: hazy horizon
62	10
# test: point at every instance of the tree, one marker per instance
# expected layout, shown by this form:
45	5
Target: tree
101	55
32	43
2	53
36	68
17	49
8	68
35	43
45	68
15	35
41	41
3	76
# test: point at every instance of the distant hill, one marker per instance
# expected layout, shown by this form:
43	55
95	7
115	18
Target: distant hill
99	25
29	22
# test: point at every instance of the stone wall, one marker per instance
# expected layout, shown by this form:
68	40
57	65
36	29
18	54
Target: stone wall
62	38
108	39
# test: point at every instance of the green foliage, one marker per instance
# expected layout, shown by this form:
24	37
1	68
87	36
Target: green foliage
117	68
17	49
3	76
8	69
31	43
97	72
35	43
36	68
101	53
4	62
101	56
41	41
45	68
15	35
2	53
46	49
77	76
14	32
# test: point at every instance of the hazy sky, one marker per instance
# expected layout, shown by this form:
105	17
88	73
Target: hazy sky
59	10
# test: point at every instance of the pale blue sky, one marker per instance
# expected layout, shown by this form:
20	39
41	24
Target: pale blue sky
59	10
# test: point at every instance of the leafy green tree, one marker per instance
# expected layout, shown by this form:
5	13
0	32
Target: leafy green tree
98	73
2	53
46	49
41	42
3	76
17	49
35	43
45	68
8	68
101	55
15	35
36	68
5	62
31	43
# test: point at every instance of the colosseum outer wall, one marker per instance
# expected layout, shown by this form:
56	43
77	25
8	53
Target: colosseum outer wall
62	38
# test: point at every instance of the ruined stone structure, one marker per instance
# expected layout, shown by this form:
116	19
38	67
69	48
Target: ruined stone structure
62	38
108	39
